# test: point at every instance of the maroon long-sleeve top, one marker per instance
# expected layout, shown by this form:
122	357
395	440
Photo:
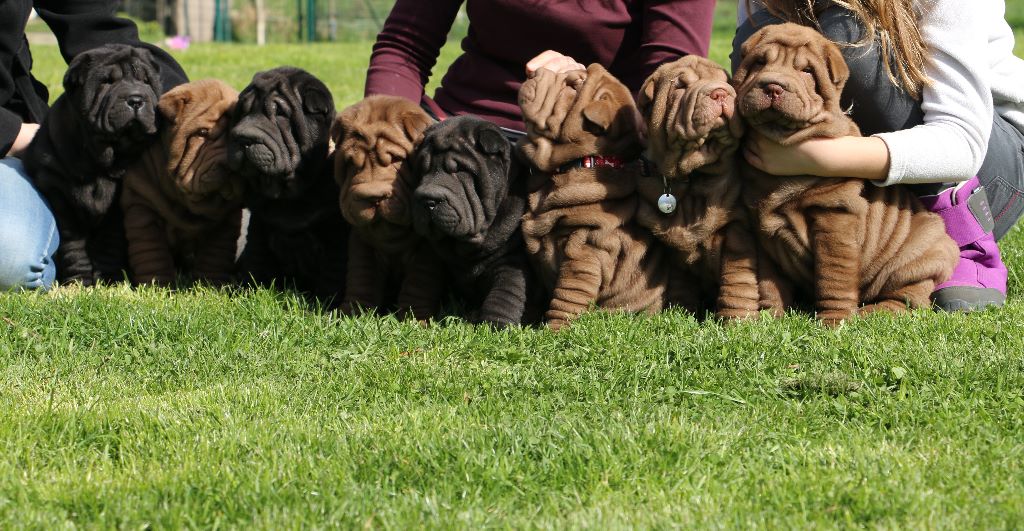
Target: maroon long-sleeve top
629	37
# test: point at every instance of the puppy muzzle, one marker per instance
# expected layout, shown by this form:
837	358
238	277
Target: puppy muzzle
708	107
365	202
435	214
775	105
257	143
130	108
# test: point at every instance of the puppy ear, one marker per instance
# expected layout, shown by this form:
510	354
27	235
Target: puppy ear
79	69
645	98
752	42
337	132
315	101
838	71
491	142
747	48
598	114
414	123
173	102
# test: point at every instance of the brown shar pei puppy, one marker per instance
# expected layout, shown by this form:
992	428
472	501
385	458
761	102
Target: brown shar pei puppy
851	241
375	138
182	206
583	141
693	135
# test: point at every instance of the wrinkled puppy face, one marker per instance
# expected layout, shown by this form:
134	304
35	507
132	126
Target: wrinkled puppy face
576	114
465	165
789	82
690	109
198	115
114	89
374	141
282	119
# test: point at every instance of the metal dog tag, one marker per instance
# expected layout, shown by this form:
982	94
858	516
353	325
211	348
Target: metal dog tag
667	203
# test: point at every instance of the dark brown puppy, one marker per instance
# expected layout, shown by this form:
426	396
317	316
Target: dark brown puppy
182	206
279	143
853	242
693	137
469	205
583	141
104	120
374	141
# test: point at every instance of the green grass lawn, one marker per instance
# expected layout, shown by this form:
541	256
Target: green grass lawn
202	408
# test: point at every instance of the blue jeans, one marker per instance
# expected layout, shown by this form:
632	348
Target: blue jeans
28	232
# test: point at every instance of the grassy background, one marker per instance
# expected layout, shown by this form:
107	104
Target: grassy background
202	408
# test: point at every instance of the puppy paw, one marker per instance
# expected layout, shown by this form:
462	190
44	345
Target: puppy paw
735	314
556	324
890	306
833	318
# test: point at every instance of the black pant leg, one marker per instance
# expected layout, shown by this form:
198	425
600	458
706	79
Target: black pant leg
1002	174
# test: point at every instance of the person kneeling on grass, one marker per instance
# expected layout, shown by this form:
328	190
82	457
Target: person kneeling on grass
28	232
939	96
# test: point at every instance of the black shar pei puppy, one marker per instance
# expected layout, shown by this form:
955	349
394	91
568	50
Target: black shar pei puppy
469	204
103	121
279	143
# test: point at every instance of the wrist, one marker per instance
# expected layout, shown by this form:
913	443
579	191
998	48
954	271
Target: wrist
24	138
854	156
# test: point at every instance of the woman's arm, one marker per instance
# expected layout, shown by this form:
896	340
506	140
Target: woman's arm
85	24
408	45
958	110
848	156
24	137
951	143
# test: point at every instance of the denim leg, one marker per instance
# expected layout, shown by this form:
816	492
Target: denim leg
28	231
1002	175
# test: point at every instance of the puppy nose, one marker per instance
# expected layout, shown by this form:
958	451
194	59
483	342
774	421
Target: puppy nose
719	94
374	198
135	101
773	90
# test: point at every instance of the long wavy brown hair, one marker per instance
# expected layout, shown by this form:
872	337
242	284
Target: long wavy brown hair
892	22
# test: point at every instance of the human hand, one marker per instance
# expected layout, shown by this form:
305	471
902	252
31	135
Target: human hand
553	61
803	158
845	156
25	136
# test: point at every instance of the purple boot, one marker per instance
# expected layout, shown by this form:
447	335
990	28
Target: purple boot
979	280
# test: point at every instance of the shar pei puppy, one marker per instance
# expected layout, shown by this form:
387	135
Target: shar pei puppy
103	121
847	241
279	142
583	141
469	204
182	206
690	200
388	262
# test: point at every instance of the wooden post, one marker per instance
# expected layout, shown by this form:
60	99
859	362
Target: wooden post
261	22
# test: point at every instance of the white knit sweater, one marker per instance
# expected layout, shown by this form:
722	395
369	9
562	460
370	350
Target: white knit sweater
974	73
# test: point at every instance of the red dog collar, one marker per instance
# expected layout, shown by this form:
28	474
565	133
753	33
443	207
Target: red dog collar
593	161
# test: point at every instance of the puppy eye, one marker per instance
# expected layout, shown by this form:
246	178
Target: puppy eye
204	132
680	84
808	70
